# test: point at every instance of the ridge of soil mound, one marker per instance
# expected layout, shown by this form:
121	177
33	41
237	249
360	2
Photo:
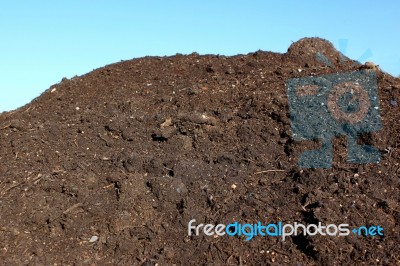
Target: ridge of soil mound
109	167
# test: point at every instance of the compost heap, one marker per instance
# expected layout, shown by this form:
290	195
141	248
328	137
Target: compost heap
109	167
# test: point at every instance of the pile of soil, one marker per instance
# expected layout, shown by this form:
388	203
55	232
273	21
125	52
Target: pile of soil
109	167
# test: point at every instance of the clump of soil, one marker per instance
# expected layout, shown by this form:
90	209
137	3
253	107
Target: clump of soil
109	167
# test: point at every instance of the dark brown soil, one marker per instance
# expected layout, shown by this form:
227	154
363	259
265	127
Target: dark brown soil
133	151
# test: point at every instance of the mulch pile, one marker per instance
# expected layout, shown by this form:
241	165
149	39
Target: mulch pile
109	167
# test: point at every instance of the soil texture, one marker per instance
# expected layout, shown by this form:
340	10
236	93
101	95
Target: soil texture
108	168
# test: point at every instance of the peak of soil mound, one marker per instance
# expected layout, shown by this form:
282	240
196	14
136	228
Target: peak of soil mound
317	51
109	167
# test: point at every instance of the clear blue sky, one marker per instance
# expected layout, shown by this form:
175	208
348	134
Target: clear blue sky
43	41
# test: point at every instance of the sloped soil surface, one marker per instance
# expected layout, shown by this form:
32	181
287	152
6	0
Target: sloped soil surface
109	167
